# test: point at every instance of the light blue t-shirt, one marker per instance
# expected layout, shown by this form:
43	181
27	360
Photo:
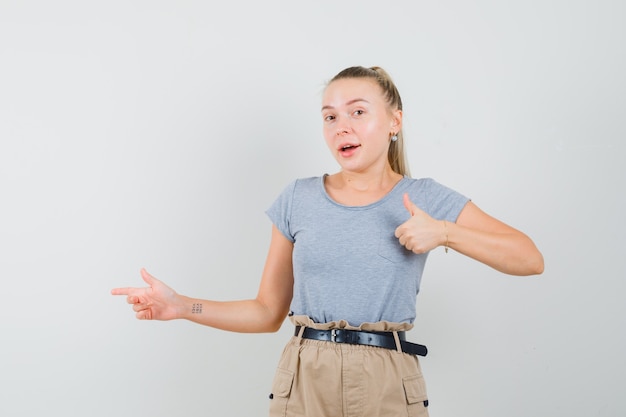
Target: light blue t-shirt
347	262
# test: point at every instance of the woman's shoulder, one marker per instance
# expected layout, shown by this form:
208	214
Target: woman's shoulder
302	184
427	185
308	180
424	182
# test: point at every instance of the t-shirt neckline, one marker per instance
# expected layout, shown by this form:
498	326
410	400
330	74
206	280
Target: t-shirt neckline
392	192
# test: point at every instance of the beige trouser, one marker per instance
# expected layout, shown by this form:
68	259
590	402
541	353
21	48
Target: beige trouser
326	379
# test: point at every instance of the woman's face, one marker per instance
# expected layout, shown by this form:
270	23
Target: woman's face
358	123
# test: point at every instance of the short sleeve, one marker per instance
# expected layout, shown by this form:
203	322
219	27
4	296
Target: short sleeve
445	203
280	211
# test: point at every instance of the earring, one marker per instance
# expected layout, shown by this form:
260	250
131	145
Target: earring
394	137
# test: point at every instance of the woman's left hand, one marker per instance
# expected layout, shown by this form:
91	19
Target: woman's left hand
421	233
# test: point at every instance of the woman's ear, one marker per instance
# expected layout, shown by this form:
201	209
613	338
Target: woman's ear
396	120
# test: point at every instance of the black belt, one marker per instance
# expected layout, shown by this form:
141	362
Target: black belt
357	337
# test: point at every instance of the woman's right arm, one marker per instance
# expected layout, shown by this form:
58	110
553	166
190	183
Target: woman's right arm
265	313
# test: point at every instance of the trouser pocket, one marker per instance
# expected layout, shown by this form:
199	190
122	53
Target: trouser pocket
281	390
416	397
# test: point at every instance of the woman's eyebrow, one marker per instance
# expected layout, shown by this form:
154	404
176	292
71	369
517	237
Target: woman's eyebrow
355	100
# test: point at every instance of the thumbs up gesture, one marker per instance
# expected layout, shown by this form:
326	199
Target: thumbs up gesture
421	233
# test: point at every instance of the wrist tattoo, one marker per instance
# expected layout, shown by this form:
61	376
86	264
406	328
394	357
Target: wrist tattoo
196	308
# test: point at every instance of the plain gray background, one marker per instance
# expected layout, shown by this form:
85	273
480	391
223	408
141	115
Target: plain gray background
155	134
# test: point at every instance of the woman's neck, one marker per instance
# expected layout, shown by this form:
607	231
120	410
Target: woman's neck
358	189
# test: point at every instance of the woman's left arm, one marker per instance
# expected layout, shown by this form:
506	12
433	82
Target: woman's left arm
492	242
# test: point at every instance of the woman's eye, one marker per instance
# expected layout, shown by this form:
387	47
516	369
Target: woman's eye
329	118
358	112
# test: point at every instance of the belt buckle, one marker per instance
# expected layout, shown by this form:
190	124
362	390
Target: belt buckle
341	336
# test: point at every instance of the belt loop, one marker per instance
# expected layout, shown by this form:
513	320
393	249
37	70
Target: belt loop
300	333
397	339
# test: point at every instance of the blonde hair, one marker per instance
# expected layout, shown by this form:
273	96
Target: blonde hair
396	154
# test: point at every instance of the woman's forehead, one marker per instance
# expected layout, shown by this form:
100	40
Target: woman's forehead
346	90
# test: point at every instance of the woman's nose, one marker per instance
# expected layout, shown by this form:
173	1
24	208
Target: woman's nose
343	127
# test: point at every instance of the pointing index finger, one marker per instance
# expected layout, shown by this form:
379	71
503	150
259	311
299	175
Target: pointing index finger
120	291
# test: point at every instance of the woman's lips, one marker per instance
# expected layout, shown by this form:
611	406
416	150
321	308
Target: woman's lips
348	150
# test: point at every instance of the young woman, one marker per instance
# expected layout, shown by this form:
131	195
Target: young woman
345	261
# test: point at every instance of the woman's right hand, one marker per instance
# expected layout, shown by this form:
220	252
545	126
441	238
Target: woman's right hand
155	302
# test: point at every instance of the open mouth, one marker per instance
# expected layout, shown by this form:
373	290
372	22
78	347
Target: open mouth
348	147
